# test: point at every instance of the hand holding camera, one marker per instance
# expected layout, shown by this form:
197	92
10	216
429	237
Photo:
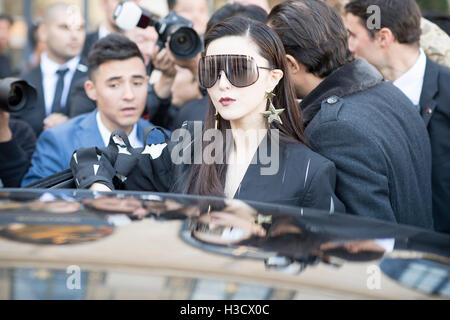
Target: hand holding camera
176	31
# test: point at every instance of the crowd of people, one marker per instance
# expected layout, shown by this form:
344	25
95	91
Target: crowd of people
353	119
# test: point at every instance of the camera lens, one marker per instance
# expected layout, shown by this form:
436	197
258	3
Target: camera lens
15	95
181	40
185	43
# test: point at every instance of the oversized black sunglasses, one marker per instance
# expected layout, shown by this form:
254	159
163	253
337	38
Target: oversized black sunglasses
241	70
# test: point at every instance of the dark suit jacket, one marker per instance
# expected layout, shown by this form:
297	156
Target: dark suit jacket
435	111
34	113
378	142
78	100
5	67
91	38
15	155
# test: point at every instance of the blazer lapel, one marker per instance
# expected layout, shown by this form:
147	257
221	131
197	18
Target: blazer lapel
88	133
79	74
252	186
429	91
38	80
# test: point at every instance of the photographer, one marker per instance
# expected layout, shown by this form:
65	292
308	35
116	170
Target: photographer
195	110
17	144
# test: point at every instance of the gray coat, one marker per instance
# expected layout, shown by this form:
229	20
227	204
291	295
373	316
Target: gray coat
378	142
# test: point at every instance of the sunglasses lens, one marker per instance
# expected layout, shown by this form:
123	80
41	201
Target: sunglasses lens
207	72
241	71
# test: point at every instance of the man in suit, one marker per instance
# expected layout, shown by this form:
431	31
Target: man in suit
60	67
107	27
118	83
362	123
17	144
145	39
394	50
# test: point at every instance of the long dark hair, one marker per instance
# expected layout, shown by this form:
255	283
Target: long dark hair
209	179
313	33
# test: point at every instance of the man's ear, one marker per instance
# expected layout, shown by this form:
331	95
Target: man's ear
43	32
385	37
293	65
91	91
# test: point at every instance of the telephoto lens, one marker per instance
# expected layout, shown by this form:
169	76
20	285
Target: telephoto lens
184	42
15	94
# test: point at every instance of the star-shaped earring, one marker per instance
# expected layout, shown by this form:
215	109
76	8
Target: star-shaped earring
272	114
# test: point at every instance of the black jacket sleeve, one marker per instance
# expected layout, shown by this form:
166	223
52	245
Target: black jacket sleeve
79	102
320	193
15	155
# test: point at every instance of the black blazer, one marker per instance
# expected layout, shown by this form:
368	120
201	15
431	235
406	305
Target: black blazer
34	113
15	155
5	67
435	111
91	38
300	177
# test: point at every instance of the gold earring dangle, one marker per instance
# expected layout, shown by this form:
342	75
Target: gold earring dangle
216	125
272	115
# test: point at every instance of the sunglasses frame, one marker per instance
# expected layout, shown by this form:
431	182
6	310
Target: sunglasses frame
225	68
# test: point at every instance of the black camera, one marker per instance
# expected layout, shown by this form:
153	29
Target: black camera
15	94
184	42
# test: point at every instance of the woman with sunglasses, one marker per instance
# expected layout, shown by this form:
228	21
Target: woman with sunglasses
244	71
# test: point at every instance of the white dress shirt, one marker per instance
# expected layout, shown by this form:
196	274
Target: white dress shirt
106	134
102	31
411	82
50	79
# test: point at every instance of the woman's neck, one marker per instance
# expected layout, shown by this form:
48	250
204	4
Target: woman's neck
248	133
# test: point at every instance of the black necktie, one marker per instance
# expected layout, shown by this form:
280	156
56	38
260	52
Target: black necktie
56	106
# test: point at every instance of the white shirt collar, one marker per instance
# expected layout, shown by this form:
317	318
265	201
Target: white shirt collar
50	79
411	82
102	31
49	67
106	134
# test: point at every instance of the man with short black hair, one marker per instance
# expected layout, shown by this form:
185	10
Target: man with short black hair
118	83
394	50
362	123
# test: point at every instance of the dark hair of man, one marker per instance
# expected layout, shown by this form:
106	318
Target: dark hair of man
237	10
209	179
111	47
313	33
6	17
402	17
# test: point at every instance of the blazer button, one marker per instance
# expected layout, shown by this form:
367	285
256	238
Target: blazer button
332	100
429	111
